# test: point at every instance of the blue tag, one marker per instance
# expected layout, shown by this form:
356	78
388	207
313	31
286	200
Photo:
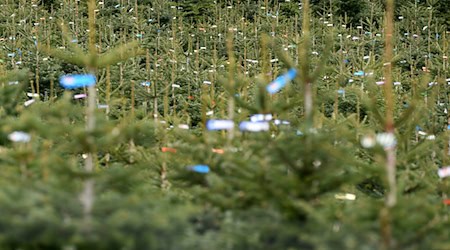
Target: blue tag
145	84
281	81
261	117
219	124
281	122
254	126
77	81
359	73
202	169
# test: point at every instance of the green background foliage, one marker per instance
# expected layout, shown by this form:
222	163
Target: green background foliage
277	189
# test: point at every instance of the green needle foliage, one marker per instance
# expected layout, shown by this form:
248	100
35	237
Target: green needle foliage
114	169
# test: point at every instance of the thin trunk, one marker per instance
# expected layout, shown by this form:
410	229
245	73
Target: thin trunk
304	65
391	196
231	73
88	196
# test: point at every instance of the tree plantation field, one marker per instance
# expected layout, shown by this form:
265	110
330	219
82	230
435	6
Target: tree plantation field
227	124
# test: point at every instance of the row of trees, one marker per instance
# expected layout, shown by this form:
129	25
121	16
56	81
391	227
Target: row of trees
116	170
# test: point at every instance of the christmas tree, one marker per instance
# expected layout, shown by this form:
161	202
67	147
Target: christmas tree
224	125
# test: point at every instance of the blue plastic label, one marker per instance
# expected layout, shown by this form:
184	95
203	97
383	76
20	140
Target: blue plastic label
281	81
219	124
77	81
202	169
254	126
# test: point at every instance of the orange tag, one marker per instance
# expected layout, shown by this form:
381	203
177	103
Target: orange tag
171	150
218	151
447	202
